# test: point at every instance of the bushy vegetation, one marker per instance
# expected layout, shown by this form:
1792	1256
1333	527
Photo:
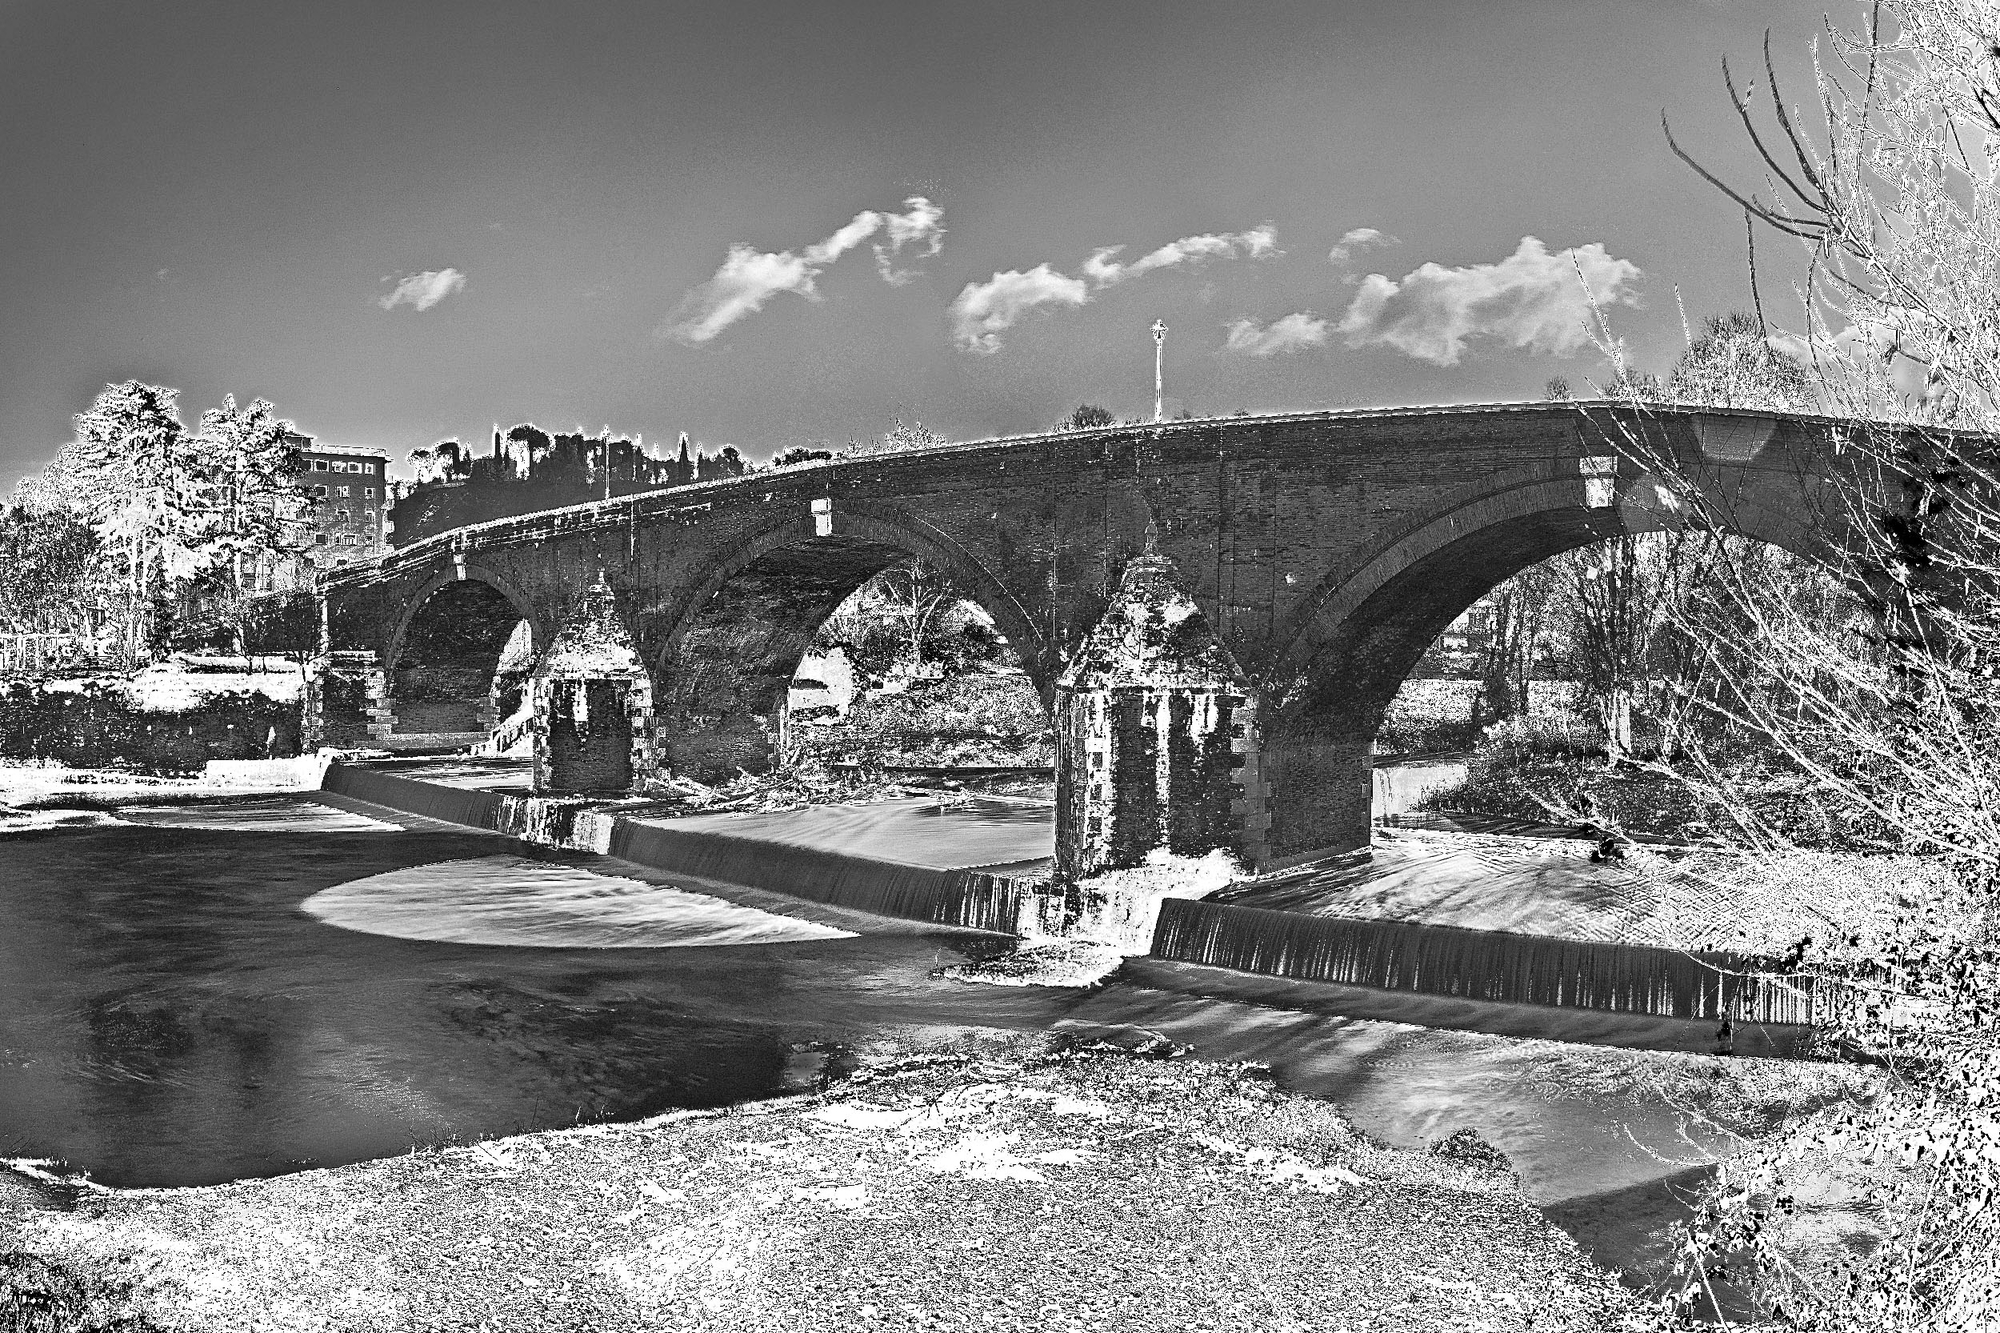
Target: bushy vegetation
1552	768
98	727
936	684
981	718
1430	715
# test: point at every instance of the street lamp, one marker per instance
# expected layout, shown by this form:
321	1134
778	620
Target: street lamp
1159	358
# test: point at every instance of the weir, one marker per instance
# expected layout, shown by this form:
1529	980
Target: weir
1446	961
1483	964
968	899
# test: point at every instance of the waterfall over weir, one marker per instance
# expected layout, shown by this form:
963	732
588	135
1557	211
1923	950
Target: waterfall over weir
969	898
1441	960
1481	964
972	899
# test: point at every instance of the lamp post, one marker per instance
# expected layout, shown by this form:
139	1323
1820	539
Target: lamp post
1159	359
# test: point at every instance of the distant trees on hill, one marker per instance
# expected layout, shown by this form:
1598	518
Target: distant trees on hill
1088	416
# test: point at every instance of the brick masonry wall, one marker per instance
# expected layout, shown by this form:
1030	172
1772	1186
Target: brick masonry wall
1325	551
346	702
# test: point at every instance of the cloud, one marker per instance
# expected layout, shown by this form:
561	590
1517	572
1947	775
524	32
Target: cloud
749	277
922	225
1874	354
1530	299
1292	333
424	290
1354	242
1256	243
985	309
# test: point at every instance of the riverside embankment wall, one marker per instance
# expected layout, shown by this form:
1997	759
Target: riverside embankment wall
96	724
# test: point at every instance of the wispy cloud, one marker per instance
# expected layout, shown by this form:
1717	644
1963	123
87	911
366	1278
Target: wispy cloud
1354	242
922	225
423	290
985	310
1104	270
747	279
1291	333
1530	299
750	277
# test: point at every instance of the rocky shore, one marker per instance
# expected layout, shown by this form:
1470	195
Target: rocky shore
948	1180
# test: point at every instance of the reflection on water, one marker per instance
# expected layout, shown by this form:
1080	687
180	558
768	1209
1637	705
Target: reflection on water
516	900
169	1015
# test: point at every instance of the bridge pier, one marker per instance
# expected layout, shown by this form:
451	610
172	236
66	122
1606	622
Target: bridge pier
1156	735
346	703
593	723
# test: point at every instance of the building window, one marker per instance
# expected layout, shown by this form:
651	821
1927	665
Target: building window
319	492
340	491
319	465
371	516
368	491
340	515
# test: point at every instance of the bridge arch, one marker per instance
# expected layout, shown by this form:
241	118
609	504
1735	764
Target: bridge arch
1357	639
445	660
724	656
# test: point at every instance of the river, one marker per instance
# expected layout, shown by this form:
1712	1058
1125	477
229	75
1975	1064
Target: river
252	987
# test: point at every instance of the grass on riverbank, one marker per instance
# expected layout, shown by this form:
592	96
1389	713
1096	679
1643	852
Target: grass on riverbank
981	1182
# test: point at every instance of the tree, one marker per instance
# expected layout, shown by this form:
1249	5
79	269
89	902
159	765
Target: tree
900	438
47	561
447	460
1088	416
1521	609
913	593
249	460
1733	364
139	488
799	454
898	617
1892	191
1608	591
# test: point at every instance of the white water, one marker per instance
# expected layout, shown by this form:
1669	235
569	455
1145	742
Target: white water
1123	906
1121	909
513	900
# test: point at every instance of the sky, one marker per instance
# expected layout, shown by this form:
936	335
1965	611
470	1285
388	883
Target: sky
777	225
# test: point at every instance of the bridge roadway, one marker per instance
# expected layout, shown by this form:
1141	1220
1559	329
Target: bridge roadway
1216	612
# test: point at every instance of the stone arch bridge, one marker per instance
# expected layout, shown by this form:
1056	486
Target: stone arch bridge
1216	612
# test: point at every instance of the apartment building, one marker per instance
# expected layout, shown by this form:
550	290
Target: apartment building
350	491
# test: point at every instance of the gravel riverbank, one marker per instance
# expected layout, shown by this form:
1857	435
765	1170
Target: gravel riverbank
955	1180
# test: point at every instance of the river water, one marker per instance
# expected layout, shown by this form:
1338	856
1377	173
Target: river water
251	987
